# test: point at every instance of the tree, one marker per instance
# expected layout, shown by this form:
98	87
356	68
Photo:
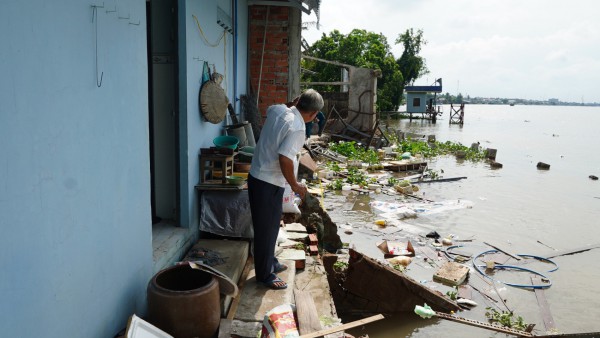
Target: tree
360	49
411	64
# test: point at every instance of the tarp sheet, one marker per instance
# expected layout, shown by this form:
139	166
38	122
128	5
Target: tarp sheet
226	213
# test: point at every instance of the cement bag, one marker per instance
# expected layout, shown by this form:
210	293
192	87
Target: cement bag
290	201
280	322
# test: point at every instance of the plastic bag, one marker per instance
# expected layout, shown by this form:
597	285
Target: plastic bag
280	322
290	201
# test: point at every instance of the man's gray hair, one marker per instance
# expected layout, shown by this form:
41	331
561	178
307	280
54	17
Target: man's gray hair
310	100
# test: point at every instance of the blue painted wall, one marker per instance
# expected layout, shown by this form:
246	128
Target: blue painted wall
196	133
76	252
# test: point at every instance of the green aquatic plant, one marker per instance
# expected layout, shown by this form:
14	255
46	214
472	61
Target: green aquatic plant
452	294
340	266
352	151
334	166
356	176
335	184
505	318
434	149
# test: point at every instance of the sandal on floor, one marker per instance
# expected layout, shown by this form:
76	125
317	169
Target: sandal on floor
279	267
274	282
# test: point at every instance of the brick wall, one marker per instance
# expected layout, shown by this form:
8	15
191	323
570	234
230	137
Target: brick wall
275	60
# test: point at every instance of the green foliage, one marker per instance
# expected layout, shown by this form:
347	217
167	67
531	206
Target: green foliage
359	48
336	184
340	266
399	267
392	181
439	148
300	246
505	319
351	151
452	294
333	166
410	63
356	176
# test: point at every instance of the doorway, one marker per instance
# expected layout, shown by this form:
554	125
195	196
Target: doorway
163	109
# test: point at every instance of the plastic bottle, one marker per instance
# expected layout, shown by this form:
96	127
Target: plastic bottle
424	311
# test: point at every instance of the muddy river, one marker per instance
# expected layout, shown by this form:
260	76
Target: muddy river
517	207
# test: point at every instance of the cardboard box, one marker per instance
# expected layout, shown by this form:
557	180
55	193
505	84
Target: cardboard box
392	249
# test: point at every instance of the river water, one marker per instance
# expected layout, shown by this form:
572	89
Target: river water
517	207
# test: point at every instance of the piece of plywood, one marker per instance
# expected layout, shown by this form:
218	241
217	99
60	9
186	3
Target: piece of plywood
451	273
306	310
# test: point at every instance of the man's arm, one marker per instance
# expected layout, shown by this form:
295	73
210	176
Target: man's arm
287	169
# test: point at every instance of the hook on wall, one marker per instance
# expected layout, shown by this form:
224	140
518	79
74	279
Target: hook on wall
95	10
135	24
112	10
123	18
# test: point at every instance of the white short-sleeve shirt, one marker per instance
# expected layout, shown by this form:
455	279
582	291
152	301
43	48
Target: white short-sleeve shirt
282	134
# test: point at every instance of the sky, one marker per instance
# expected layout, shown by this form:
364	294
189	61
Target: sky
527	49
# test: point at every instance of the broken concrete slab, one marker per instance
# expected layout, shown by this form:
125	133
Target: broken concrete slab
451	273
295	227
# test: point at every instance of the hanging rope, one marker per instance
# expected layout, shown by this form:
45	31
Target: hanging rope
204	36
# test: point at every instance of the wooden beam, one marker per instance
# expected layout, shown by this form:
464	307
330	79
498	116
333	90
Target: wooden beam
504	251
543	303
242	281
573	251
343	327
308	318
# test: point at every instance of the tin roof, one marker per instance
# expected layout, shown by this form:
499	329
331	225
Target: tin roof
432	89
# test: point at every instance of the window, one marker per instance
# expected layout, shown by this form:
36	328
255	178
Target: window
416	102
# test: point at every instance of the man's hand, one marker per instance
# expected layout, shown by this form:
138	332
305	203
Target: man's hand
300	189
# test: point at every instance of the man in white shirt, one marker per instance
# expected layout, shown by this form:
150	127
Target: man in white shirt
281	139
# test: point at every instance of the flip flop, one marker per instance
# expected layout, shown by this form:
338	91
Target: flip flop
274	283
279	267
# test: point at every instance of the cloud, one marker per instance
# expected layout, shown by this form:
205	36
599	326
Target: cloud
499	48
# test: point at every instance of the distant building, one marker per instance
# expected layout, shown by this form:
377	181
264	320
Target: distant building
416	97
553	101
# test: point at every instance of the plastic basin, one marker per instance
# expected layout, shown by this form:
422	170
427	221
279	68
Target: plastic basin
226	141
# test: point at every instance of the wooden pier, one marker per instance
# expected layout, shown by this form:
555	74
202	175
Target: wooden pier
457	115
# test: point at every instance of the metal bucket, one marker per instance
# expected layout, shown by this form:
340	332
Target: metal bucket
238	131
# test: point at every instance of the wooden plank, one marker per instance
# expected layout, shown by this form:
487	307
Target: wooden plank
504	251
573	251
343	327
543	303
308	318
242	281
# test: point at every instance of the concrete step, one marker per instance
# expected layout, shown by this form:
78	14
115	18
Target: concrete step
227	256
